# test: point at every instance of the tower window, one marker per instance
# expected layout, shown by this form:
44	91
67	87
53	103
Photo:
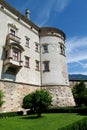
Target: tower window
45	48
62	49
46	66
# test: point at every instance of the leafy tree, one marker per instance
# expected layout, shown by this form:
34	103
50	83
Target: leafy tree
1	98
80	94
37	101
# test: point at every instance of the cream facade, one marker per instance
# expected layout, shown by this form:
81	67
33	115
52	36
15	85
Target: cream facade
31	58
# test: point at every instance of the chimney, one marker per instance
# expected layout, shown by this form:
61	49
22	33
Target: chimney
27	13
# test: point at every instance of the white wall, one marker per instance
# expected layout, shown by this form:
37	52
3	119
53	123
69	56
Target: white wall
58	68
25	75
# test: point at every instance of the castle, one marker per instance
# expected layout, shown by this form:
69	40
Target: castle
31	58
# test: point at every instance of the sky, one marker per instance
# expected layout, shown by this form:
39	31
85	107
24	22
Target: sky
70	16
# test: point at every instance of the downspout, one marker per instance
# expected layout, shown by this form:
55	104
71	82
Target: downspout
41	65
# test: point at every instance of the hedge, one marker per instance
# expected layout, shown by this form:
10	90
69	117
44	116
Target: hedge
80	125
80	110
10	114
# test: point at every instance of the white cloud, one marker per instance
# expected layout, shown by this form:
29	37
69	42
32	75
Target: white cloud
42	10
61	4
78	72
84	65
76	49
46	9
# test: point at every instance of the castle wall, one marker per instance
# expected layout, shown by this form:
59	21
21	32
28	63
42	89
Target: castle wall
14	94
9	21
61	96
57	74
45	66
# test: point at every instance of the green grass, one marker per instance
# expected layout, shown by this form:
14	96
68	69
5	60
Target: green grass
46	122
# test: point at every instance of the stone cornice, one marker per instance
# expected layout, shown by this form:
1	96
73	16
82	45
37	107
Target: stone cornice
52	32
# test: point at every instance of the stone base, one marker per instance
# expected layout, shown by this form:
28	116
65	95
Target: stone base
15	92
61	96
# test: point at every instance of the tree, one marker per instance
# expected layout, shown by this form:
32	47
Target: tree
1	98
80	93
37	101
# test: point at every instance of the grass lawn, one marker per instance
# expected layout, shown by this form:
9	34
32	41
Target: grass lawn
46	122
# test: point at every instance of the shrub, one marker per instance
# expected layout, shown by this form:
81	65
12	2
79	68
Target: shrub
19	113
80	125
8	114
80	94
37	101
80	110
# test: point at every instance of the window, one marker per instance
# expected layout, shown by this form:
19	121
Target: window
12	32
27	61
45	48
37	65
62	49
15	55
27	42
46	66
37	47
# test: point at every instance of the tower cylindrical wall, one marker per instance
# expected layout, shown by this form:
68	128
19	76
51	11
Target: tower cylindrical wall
53	52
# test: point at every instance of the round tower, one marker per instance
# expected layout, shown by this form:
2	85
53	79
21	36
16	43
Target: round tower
54	75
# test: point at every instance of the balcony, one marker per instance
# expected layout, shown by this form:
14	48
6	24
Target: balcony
12	66
12	38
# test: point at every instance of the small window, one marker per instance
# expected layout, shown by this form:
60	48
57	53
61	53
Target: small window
27	61
46	66
62	49
12	32
37	47
15	55
37	65
45	48
27	42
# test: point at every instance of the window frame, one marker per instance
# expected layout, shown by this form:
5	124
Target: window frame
27	62
62	49
37	48
46	66
16	55
37	65
27	42
12	31
45	48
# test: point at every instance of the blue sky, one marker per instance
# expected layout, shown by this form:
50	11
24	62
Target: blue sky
67	15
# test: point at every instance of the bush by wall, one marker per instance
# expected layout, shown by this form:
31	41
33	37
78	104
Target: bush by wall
11	114
80	110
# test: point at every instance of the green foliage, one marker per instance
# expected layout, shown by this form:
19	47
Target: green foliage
37	101
8	114
80	125
11	114
80	110
1	98
80	94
